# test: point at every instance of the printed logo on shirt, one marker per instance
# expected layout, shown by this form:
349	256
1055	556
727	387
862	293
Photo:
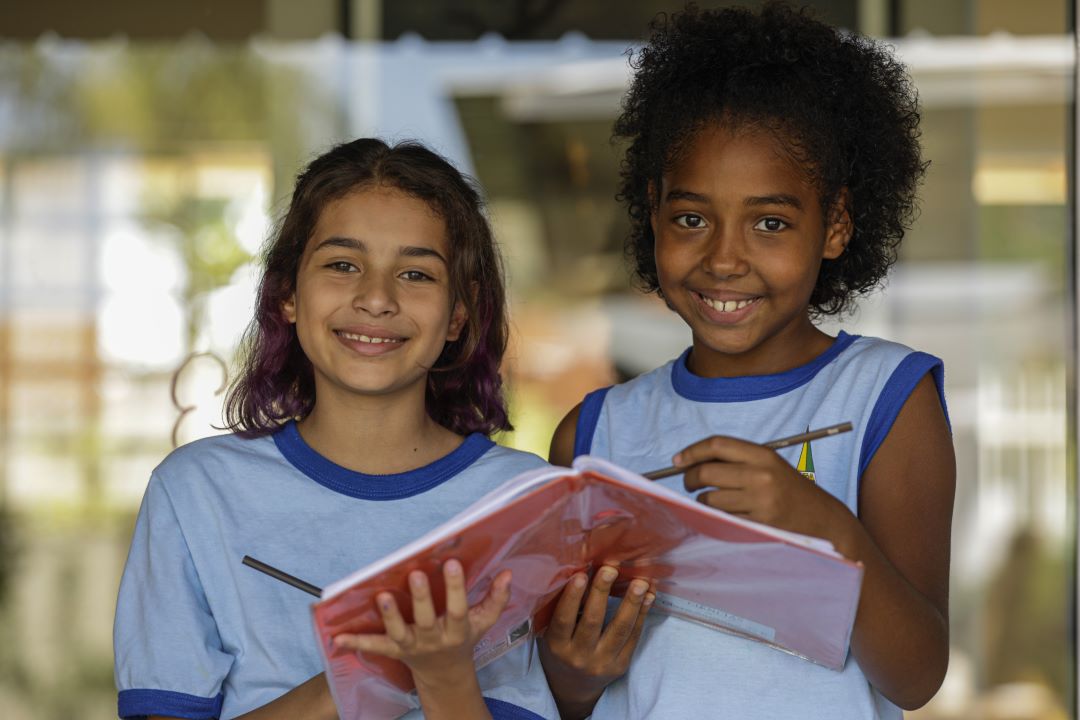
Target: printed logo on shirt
806	462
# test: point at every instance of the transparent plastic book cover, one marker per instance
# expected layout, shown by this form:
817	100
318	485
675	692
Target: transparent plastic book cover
789	591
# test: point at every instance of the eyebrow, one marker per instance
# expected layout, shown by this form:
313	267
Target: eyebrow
349	243
755	201
680	194
781	199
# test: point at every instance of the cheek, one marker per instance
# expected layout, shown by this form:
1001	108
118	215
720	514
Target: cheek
670	263
796	274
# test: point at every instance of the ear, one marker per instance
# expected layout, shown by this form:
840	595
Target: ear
460	315
288	308
839	229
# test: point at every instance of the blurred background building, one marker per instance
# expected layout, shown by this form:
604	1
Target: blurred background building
146	149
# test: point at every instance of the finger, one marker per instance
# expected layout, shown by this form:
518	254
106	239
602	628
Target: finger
592	617
618	631
564	618
736	502
396	629
627	651
720	448
423	608
457	602
730	476
377	644
484	614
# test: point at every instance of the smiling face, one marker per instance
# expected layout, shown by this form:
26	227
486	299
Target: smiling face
740	236
372	304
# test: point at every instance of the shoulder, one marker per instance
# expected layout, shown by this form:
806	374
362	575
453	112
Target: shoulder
229	447
882	364
561	451
657	380
213	458
874	351
510	459
641	389
567	442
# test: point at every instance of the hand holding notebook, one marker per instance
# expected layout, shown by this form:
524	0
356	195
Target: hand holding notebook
790	591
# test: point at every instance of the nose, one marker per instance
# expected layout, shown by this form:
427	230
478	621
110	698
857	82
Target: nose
725	254
375	294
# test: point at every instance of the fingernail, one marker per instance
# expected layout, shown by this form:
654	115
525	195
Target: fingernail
385	602
416	579
677	459
579	581
608	574
453	567
637	589
648	600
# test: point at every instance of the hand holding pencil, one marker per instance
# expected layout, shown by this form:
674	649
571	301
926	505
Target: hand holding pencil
773	444
751	480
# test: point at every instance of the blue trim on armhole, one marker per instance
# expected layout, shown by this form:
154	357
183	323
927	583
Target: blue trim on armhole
502	710
897	389
140	703
587	418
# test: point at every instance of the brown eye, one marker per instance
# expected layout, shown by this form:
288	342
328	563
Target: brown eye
690	221
770	224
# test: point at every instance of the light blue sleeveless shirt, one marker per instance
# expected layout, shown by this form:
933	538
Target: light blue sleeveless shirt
199	635
684	670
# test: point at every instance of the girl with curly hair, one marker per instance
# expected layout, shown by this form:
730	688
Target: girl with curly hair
360	421
770	175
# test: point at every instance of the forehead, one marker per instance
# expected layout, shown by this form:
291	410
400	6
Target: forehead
748	161
382	217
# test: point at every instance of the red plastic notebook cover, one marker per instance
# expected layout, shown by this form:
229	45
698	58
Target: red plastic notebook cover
789	591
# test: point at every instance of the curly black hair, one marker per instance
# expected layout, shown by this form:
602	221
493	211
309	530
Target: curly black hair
841	104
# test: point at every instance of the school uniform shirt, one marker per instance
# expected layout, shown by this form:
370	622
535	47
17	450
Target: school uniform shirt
684	670
199	635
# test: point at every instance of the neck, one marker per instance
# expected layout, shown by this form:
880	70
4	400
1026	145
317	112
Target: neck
792	347
376	435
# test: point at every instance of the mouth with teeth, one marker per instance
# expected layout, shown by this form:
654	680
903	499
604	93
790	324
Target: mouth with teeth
369	344
727	306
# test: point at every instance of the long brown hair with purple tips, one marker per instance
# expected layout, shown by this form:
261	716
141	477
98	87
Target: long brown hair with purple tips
464	389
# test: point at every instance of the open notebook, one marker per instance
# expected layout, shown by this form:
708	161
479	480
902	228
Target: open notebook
790	591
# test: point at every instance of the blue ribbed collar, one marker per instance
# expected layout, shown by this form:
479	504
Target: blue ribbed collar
751	387
377	487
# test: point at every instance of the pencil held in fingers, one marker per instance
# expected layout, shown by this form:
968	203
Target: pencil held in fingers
680	466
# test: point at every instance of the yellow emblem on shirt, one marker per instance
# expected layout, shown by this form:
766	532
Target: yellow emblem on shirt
806	462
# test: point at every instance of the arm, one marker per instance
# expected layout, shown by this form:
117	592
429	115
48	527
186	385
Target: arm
562	442
438	651
580	656
901	633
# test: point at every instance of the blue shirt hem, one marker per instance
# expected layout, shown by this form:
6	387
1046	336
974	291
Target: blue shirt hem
140	703
502	710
